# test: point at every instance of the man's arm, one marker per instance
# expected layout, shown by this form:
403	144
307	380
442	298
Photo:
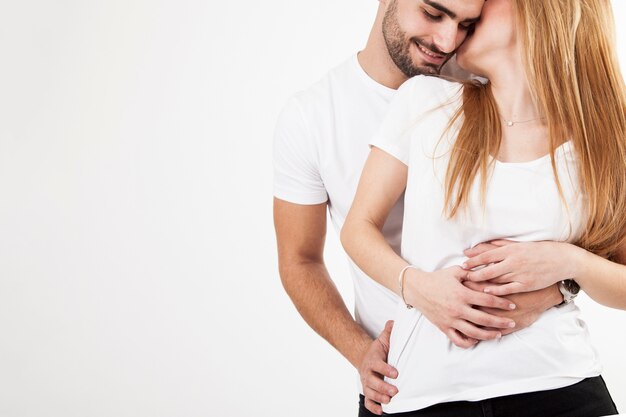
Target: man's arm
300	234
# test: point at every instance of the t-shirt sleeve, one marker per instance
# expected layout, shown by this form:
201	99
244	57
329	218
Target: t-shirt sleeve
296	174
393	135
415	100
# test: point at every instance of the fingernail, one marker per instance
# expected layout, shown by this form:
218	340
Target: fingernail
487	290
512	306
464	266
499	336
512	324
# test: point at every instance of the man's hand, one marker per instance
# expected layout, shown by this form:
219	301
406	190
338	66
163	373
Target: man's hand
449	305
374	368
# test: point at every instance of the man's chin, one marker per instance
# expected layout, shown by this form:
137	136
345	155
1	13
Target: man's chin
431	71
428	69
421	68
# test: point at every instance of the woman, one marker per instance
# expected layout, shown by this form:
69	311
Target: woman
538	154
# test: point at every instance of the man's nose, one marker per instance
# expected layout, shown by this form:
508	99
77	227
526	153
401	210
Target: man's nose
445	39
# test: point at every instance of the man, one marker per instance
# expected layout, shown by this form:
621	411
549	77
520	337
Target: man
321	145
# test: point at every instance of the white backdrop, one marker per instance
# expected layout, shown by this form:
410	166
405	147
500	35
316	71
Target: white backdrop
137	259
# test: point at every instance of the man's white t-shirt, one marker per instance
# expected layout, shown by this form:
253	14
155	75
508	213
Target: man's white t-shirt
522	204
320	147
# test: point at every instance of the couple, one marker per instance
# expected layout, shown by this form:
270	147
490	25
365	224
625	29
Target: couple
537	155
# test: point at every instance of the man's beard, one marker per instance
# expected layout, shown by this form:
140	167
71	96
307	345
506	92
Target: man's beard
399	48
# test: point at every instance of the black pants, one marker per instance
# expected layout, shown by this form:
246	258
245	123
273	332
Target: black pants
588	398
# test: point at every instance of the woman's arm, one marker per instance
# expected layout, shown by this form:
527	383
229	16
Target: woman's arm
440	295
528	266
601	279
382	182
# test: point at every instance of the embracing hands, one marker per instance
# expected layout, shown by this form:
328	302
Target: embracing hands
454	298
530	305
456	301
450	305
507	267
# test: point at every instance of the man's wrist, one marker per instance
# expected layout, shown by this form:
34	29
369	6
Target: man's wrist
555	297
570	289
361	348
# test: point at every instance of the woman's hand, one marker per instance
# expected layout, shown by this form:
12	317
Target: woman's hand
530	305
519	266
448	304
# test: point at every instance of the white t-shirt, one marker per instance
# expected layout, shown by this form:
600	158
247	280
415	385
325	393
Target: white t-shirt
321	144
522	204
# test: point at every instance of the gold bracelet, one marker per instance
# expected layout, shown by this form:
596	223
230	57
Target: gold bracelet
401	282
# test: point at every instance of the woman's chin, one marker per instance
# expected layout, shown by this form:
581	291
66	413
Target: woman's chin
467	60
464	61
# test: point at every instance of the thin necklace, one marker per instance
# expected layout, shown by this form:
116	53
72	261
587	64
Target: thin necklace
511	123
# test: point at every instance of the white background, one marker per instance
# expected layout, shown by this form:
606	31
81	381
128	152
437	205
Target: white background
137	259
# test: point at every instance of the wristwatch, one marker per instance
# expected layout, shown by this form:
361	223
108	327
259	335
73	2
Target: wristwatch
570	289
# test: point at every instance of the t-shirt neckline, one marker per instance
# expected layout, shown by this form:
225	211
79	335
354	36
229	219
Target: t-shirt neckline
381	89
561	148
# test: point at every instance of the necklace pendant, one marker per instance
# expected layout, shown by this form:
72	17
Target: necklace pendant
509	123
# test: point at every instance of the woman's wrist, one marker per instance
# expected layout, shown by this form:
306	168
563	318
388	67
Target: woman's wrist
567	256
578	261
412	283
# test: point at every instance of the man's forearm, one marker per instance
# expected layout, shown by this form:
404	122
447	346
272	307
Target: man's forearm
318	301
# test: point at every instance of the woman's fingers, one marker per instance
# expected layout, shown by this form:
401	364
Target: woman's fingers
476	286
478	249
485	258
459	340
502	242
507	289
488	300
474	332
491	321
502	279
489	272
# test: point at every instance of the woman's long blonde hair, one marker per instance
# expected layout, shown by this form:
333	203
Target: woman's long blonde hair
574	76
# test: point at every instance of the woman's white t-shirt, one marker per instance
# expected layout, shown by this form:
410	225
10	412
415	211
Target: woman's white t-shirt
522	204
